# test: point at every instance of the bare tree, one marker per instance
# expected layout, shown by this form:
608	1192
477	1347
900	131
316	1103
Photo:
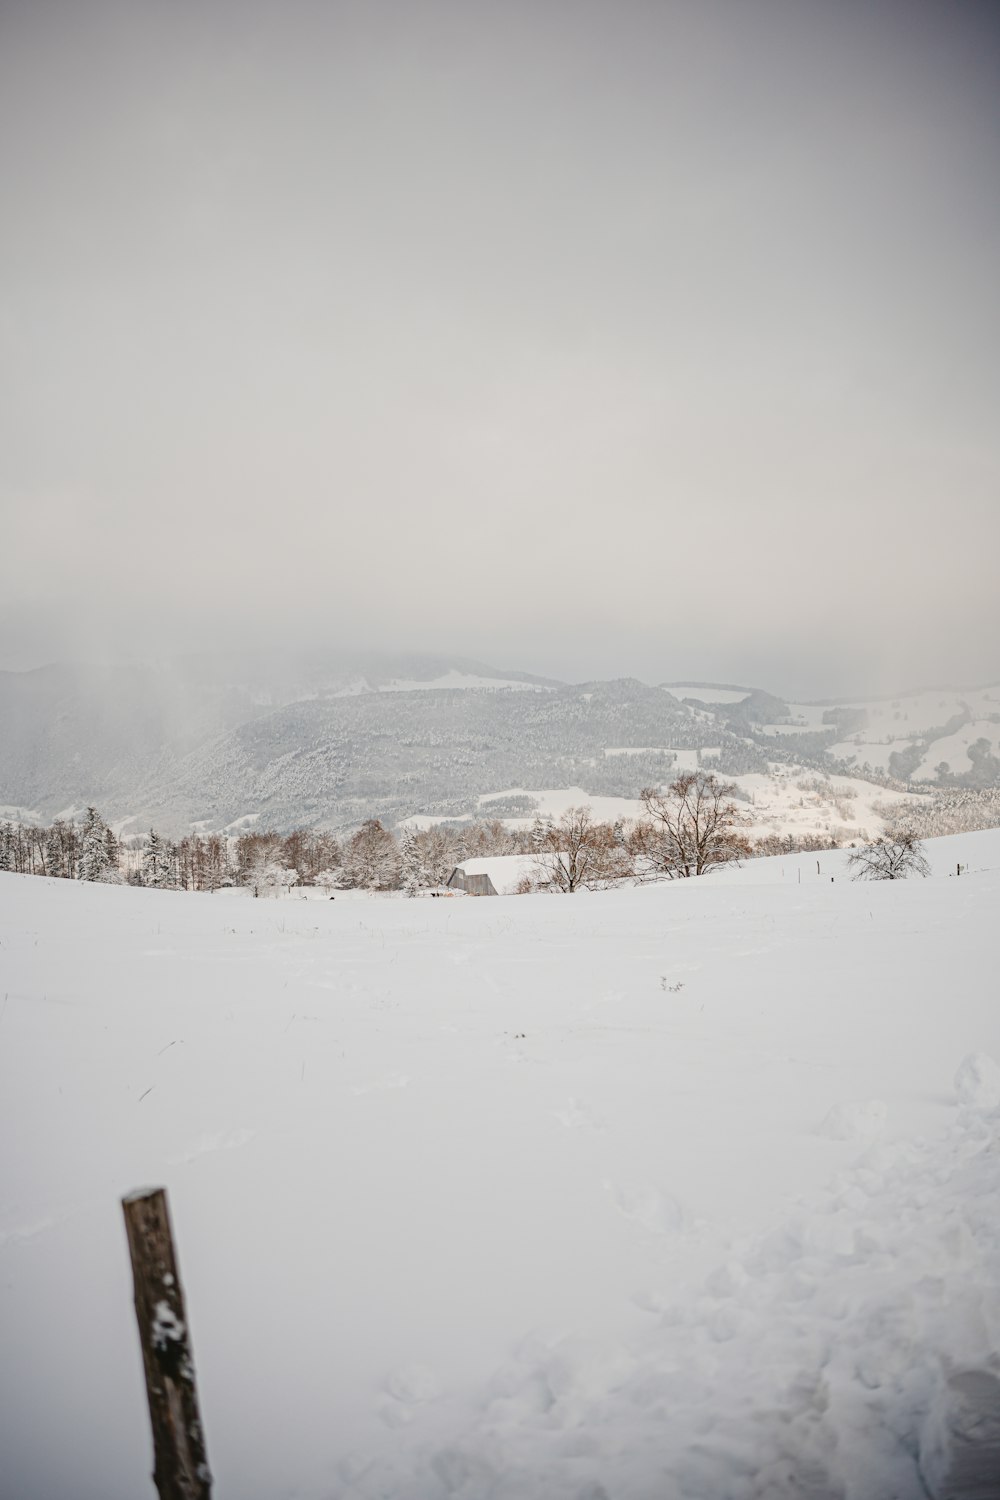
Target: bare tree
438	853
578	852
693	827
266	875
487	837
894	856
372	857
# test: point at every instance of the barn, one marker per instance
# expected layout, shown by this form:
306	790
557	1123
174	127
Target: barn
498	876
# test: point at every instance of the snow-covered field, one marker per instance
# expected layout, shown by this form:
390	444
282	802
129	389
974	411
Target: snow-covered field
450	681
896	724
788	800
707	693
796	800
646	1194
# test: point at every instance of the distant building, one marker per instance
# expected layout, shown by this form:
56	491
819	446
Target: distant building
498	876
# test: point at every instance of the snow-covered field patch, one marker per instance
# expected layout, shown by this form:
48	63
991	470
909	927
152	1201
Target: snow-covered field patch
554	801
450	681
792	800
707	694
795	800
527	1196
861	750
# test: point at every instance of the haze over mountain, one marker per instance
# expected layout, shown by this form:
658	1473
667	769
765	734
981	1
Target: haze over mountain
329	738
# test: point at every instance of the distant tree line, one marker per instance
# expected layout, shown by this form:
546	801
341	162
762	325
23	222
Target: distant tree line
686	830
950	810
372	858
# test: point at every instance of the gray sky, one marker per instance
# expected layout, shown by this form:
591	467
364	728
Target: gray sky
588	338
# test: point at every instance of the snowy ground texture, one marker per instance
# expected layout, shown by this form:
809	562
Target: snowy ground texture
685	1191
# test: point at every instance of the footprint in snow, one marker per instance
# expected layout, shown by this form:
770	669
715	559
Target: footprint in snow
575	1115
25	1231
389	1081
855	1121
406	1389
222	1141
413	1384
648	1206
651	1301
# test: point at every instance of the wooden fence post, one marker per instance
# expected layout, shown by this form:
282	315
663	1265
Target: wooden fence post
181	1469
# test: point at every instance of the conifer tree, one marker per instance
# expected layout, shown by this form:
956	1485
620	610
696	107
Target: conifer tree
411	864
55	859
157	862
93	848
98	851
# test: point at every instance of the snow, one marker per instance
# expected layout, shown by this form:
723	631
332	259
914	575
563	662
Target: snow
512	1197
790	727
683	690
805	717
854	1121
506	871
11	813
977	1081
639	750
690	760
449	681
861	750
793	800
897	723
167	1327
954	748
554	801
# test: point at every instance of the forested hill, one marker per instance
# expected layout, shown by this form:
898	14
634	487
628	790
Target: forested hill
331	739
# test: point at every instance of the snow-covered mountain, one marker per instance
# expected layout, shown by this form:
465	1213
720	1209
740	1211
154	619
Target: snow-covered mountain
946	736
331	738
74	733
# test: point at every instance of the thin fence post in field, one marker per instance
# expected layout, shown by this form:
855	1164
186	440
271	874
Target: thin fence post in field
181	1469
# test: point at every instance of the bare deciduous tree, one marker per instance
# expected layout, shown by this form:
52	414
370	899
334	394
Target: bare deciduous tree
438	853
894	856
692	828
578	852
372	857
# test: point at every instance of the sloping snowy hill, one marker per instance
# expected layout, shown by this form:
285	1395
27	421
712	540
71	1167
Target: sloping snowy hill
654	1193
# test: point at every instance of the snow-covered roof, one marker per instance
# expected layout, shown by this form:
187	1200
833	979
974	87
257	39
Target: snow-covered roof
506	871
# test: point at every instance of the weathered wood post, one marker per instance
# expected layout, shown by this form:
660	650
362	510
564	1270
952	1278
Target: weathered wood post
181	1469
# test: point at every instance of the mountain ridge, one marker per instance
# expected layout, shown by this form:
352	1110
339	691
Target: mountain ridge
293	738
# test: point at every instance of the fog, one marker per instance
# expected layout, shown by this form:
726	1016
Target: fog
587	339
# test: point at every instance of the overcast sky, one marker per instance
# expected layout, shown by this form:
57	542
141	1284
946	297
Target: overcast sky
588	338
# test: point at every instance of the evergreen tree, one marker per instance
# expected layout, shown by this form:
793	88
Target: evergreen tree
55	859
157	862
111	849
93	849
412	870
542	831
98	851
